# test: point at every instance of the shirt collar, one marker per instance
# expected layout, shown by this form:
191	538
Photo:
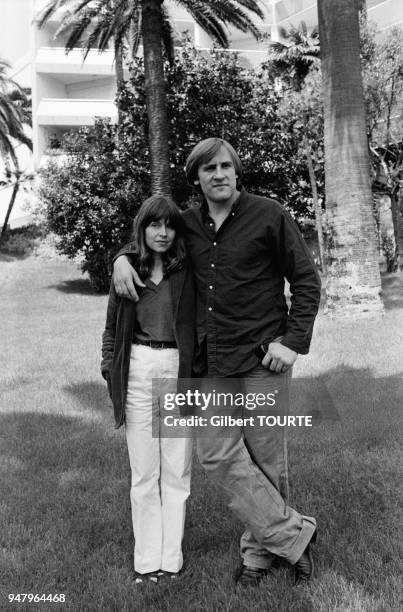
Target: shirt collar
204	209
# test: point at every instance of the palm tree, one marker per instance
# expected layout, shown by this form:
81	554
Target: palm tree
291	61
294	57
97	24
14	114
126	22
353	270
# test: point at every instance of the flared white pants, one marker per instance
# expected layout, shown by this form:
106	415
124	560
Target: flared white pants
160	467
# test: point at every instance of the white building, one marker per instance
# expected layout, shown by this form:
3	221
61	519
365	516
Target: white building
68	93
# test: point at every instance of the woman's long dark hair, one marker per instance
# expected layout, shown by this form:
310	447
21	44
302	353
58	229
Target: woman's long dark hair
153	209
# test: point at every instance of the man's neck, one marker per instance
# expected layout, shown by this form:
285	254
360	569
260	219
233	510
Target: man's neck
220	210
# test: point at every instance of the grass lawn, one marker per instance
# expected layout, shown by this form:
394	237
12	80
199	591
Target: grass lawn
64	505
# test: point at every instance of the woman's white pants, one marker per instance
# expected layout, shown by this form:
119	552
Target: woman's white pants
160	466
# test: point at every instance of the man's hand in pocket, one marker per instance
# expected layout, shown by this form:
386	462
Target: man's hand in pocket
279	358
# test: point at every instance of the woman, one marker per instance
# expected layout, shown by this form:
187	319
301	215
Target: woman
153	339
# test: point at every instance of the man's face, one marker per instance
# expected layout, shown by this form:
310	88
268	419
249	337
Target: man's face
217	178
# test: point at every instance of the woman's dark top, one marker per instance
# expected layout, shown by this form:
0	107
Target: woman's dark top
154	317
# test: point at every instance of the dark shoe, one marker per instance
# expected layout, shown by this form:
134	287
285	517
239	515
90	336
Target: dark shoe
250	576
170	575
304	567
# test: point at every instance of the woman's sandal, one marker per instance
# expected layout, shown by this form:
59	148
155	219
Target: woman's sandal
150	577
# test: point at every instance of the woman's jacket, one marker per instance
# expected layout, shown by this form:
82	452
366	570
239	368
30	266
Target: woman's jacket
118	336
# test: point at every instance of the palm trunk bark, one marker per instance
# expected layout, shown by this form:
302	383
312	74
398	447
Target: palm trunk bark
119	73
156	96
353	270
316	206
11	204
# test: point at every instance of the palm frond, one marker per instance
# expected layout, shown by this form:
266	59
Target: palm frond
134	32
97	39
229	13
4	65
49	10
299	44
75	28
12	122
204	17
118	24
167	35
7	84
214	15
96	22
7	150
21	98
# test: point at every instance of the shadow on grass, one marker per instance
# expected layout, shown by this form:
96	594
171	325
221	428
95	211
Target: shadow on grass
6	257
392	290
350	408
92	396
68	523
81	286
18	243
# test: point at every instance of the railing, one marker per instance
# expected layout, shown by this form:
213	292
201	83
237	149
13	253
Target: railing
55	59
68	111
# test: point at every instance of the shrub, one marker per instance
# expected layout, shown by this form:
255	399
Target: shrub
22	241
214	95
91	200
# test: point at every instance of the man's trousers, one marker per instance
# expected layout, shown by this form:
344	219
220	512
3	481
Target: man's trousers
250	465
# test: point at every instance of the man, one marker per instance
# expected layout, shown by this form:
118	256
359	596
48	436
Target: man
242	247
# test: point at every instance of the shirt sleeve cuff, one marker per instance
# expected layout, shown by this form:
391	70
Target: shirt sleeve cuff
302	348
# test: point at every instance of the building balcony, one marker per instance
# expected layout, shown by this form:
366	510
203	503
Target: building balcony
248	58
69	112
54	60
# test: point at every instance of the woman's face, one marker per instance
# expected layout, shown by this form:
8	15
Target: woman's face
159	236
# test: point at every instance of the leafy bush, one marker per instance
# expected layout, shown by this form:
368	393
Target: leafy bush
91	200
22	241
214	95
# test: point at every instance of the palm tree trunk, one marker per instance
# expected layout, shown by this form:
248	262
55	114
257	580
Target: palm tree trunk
353	270
119	73
391	99
156	96
316	205
11	204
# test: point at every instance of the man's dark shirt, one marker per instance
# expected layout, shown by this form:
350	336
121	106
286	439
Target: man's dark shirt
239	273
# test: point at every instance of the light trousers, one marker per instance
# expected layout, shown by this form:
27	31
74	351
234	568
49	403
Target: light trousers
160	467
250	466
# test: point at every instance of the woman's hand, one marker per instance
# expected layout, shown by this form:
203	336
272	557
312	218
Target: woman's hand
125	278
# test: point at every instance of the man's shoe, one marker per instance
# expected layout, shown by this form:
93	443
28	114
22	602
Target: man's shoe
304	567
248	575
